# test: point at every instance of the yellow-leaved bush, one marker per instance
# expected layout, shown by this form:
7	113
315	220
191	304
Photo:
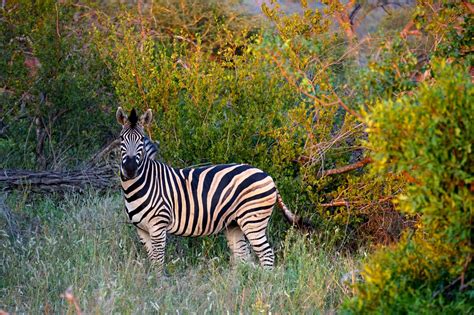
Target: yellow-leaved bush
427	137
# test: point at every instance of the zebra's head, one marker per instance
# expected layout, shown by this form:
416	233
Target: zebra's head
132	138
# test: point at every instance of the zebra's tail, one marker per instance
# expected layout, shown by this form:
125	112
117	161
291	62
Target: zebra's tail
299	222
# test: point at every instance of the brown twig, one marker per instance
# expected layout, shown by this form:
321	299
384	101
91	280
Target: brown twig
346	203
102	153
347	168
57	21
346	108
343	18
71	299
407	30
335	203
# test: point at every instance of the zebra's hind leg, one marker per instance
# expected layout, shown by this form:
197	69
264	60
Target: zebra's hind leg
237	244
255	228
145	239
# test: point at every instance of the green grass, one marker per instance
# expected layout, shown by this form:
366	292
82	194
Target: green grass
82	242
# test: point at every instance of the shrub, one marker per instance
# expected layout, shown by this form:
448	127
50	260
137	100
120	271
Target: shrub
55	90
427	137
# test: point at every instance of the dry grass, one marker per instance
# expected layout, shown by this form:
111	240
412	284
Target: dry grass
83	243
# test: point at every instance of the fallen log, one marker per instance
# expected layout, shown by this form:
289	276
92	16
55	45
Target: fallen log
56	181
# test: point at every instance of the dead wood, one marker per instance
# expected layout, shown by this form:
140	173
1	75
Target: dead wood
54	181
346	203
335	203
347	168
97	174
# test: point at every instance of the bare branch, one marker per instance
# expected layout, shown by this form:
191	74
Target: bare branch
347	203
335	203
102	153
347	168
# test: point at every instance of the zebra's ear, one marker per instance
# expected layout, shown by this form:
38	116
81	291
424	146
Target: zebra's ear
146	118
121	116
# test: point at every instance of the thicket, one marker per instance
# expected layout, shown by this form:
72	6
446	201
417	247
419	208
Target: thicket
301	96
428	136
55	92
224	87
274	97
422	131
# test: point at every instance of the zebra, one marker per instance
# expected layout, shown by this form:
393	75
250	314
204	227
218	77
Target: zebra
237	199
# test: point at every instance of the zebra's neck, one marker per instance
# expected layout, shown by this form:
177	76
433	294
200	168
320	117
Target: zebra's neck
150	173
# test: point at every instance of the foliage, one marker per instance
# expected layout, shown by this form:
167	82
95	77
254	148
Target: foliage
325	130
293	97
428	136
421	134
204	112
236	106
223	86
54	88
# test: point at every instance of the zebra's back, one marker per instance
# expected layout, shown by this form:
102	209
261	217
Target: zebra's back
206	199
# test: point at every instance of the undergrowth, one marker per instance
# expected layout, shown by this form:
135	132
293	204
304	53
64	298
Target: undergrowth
84	242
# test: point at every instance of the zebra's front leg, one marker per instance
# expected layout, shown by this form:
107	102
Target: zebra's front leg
157	253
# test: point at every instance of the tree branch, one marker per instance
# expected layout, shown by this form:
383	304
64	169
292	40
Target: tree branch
335	203
346	203
91	176
347	168
102	153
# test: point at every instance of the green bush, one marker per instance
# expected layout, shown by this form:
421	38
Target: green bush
426	137
264	104
224	87
56	92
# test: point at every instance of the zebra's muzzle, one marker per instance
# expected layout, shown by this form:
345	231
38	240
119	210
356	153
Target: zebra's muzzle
130	167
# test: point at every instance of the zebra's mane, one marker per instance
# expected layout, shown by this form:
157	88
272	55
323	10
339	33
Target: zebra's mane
133	118
151	148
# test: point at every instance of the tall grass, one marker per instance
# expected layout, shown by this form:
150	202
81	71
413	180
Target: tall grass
83	242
